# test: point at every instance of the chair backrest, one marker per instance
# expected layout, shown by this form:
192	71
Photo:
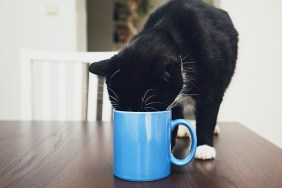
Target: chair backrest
58	86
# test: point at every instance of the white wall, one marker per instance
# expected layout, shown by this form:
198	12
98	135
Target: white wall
26	24
255	96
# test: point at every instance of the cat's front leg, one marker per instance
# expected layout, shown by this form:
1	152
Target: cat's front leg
206	116
177	113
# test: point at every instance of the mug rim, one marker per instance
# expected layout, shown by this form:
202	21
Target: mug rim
130	112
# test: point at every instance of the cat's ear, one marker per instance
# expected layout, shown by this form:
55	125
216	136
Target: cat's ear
101	68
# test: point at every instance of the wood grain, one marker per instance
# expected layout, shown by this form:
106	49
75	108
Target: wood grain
79	154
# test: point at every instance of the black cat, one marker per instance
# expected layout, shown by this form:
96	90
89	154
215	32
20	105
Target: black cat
186	49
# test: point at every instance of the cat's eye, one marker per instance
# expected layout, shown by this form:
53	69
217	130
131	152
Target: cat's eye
166	77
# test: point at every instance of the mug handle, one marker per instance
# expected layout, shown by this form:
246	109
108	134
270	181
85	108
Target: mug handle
193	138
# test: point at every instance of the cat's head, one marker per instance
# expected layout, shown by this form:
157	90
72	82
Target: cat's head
144	76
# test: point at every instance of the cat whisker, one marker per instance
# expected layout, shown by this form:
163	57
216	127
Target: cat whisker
176	102
190	81
115	73
115	105
147	92
151	108
144	97
174	105
189	62
190	69
154	103
186	56
148	99
114	102
113	92
184	91
112	97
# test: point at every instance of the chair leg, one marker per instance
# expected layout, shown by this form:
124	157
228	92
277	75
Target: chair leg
100	98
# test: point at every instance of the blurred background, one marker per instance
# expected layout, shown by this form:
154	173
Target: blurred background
253	98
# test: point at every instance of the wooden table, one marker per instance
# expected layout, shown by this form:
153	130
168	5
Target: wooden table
79	154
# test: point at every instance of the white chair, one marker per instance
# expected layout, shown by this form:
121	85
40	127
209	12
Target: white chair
57	86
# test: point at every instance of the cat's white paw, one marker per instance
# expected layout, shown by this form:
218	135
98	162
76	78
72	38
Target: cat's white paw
217	130
205	152
183	131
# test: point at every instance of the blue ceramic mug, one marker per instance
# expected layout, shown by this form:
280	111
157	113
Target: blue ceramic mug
141	144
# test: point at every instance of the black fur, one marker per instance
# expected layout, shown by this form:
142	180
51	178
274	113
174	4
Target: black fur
181	39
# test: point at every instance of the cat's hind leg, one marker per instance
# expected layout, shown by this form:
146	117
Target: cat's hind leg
176	114
204	151
206	116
